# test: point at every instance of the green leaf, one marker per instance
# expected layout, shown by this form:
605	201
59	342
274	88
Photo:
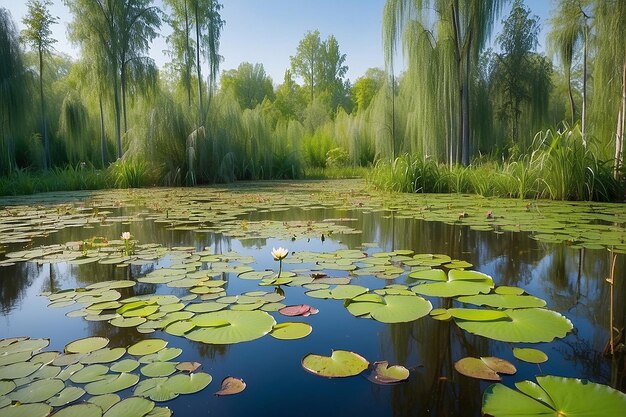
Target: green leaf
26	410
401	309
38	391
105	401
340	364
531	325
80	410
111	384
569	397
125	365
105	355
474	314
530	355
89	373
147	347
86	345
130	407
189	384
291	330
504	301
241	326
158	369
18	370
68	395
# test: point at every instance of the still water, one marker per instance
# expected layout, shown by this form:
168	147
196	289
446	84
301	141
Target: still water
571	281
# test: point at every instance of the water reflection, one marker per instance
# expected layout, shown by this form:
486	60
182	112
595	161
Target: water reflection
571	280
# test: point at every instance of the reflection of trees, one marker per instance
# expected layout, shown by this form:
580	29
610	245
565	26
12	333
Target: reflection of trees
15	281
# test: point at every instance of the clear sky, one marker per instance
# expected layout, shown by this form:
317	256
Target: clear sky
268	31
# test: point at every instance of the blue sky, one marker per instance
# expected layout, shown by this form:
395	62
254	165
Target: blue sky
268	31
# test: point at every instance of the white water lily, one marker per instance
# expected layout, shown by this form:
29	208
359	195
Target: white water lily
126	235
280	253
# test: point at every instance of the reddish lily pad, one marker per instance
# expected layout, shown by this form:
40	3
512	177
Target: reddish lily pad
231	386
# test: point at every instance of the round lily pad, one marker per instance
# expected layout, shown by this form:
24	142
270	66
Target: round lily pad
130	407
554	396
18	370
228	326
291	330
158	369
111	384
38	391
340	364
147	347
82	410
530	325
26	410
530	355
68	395
105	355
86	345
504	300
231	386
89	374
390	308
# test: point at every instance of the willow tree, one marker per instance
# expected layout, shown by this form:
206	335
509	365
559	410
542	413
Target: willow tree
12	92
38	34
182	46
119	33
443	52
569	34
609	103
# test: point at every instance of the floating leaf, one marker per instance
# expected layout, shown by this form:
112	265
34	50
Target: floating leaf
80	410
390	308
340	364
89	374
86	345
111	384
18	370
6	387
130	407
291	330
68	395
231	385
188	366
158	369
504	301
298	310
105	401
530	355
223	327
105	355
26	410
383	374
38	391
189	384
125	365
531	325
568	397
147	347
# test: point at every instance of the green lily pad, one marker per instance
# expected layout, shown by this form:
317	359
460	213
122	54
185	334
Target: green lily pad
567	397
530	355
18	370
147	347
68	395
15	357
531	325
130	407
162	355
224	327
125	365
504	301
189	384
459	283
127	321
383	374
6	387
340	364
38	391
475	314
89	373
429	275
70	370
82	410
105	401
507	290
484	368
158	369
291	330
105	355
26	410
231	386
111	384
391	309
86	345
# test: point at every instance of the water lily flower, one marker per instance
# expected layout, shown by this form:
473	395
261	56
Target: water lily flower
279	254
126	235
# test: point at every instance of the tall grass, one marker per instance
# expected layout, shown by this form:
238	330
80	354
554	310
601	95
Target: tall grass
558	166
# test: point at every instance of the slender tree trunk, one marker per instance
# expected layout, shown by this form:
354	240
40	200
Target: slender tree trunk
103	147
44	127
393	111
621	121
198	70
123	85
584	105
187	57
116	104
570	95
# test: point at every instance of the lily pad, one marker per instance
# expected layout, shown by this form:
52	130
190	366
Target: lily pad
391	308
130	407
504	300
89	373
340	364
224	327
105	355
82	410
530	355
291	330
18	370
530	325
231	386
158	369
383	374
68	395
86	345
298	310
567	397
38	391
147	347
26	410
111	384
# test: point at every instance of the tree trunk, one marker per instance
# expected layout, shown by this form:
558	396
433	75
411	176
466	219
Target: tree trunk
583	116
621	121
123	85
570	95
198	70
187	57
44	128
116	105
103	148
465	109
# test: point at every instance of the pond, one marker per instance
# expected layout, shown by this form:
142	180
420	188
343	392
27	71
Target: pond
386	274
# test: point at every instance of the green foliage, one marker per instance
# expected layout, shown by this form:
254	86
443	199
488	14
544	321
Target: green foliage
131	174
249	84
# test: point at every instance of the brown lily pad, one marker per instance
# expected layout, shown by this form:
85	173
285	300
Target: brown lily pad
231	385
